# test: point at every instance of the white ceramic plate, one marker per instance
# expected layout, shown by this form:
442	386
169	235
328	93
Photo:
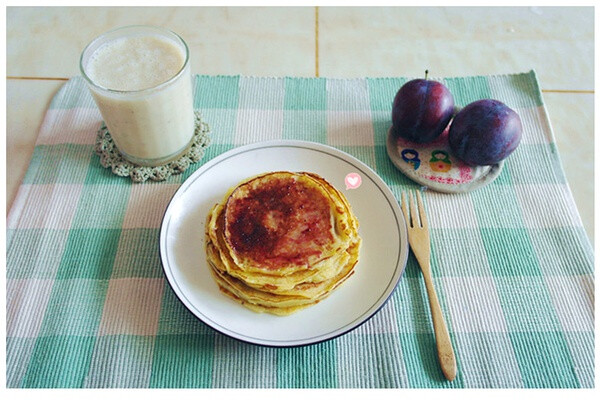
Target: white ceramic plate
382	257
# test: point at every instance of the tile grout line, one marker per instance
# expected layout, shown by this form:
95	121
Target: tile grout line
567	91
36	78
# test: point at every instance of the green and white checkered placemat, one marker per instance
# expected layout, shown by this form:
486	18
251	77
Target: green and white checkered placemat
88	305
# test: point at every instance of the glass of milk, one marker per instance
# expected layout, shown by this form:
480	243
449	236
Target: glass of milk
141	80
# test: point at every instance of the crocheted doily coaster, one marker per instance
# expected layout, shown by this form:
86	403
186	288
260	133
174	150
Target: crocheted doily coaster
433	165
111	157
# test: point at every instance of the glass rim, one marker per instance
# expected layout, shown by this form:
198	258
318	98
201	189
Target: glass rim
147	89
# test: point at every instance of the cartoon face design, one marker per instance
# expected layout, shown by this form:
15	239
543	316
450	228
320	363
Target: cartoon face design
411	157
440	161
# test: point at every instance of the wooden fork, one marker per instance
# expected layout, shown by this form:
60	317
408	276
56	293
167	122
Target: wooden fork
418	238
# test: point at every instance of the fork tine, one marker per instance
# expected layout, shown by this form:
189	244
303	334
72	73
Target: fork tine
422	214
414	214
404	207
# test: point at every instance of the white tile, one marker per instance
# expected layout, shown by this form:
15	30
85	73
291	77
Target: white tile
459	41
238	40
572	117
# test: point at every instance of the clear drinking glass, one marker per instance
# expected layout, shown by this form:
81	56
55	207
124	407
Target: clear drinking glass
141	81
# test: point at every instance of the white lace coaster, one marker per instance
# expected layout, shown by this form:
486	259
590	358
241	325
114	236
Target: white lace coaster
111	157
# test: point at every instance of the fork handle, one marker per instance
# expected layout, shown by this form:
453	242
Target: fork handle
442	337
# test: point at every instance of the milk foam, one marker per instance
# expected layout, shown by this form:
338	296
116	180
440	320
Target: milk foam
135	63
149	126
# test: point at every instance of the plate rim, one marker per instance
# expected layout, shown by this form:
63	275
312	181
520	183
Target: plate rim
388	291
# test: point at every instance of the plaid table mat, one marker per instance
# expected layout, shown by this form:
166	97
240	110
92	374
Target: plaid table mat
88	304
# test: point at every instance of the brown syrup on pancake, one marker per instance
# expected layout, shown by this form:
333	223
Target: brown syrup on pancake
279	223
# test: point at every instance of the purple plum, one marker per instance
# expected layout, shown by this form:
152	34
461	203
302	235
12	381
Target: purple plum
485	132
421	110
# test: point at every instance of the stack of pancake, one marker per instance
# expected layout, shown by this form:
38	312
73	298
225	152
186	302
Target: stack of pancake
282	241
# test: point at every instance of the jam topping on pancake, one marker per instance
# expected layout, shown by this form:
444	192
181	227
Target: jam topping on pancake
278	223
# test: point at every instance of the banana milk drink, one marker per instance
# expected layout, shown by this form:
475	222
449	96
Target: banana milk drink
140	79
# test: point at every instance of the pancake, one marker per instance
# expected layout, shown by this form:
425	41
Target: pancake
278	279
282	241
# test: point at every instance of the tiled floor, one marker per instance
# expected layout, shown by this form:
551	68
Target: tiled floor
43	47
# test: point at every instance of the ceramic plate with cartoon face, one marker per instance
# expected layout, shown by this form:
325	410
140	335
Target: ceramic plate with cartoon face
433	165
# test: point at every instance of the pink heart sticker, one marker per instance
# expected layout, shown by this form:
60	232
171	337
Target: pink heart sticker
353	181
